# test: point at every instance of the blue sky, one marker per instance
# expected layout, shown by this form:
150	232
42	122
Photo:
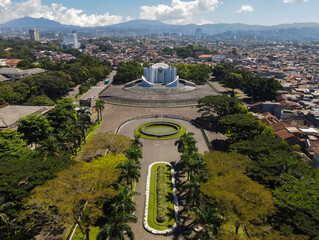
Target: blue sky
106	12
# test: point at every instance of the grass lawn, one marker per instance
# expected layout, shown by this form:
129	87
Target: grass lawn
79	236
177	135
91	131
152	207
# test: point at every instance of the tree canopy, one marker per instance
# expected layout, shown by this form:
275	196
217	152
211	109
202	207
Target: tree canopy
259	88
127	72
34	127
242	201
198	73
241	126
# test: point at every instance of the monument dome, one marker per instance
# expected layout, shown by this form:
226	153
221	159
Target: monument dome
160	73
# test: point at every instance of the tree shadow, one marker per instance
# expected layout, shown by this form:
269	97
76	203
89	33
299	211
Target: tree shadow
220	145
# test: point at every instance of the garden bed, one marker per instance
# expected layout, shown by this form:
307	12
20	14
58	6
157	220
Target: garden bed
160	130
161	209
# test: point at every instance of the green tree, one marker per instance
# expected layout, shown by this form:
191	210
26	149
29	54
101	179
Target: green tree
84	120
219	106
40	100
49	146
199	73
297	201
242	127
210	220
123	201
117	227
76	195
186	143
12	144
130	171
242	201
127	72
35	128
134	153
234	80
99	106
62	115
272	160
4	219
137	140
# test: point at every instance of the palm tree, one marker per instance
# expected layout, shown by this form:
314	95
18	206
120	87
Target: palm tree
84	119
186	142
123	201
4	219
210	219
192	188
130	171
99	106
117	227
49	146
137	140
134	153
192	162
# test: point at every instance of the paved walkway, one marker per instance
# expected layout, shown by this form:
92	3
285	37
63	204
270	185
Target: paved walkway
153	151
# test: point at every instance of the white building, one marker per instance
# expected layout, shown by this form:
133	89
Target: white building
34	34
70	41
160	73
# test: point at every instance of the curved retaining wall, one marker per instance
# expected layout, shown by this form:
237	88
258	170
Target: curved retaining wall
176	205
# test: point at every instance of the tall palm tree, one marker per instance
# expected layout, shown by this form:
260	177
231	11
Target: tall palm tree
123	201
186	142
117	227
99	106
192	188
137	140
130	171
84	119
192	162
210	219
49	146
134	153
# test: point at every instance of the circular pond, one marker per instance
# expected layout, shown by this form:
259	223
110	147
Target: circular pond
160	130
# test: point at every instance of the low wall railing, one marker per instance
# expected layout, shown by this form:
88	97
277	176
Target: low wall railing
170	117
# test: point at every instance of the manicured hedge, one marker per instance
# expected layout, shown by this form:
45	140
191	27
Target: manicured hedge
161	195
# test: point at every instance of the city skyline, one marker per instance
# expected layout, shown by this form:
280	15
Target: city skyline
95	13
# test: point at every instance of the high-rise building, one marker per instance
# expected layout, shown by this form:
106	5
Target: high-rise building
70	40
34	34
198	33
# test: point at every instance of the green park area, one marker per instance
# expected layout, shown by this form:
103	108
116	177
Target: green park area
161	214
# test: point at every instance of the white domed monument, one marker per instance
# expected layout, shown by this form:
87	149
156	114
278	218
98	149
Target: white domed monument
160	73
160	79
160	86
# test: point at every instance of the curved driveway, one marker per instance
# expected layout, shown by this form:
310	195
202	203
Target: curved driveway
157	150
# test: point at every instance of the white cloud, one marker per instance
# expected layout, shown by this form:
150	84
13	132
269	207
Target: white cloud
179	12
294	1
203	22
128	18
246	8
56	12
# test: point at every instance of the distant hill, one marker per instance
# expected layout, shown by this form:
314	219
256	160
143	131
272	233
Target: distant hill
294	31
38	23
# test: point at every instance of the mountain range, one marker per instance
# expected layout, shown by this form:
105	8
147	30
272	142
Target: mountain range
293	31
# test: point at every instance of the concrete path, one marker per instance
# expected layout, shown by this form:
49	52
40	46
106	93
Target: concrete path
159	150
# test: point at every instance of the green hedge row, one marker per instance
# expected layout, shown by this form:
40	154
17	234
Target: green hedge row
161	195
